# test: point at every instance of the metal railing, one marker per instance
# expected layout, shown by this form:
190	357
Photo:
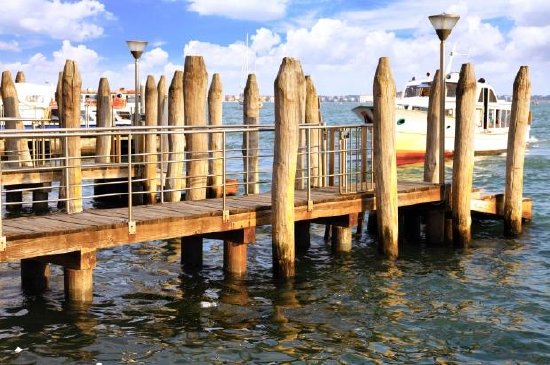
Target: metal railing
40	170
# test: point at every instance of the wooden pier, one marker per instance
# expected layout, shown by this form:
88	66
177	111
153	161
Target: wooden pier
312	173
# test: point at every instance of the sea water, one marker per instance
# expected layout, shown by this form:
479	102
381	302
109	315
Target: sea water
487	304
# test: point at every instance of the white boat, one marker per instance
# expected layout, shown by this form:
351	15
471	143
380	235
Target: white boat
120	107
491	119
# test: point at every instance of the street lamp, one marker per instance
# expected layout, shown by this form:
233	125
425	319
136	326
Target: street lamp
136	49
443	25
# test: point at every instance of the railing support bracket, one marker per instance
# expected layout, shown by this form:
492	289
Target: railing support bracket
3	243
310	205
131	227
225	216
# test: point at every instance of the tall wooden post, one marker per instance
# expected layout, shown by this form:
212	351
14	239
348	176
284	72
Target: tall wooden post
251	118
385	158
195	82
215	114
517	137
59	98
435	218
175	181
71	88
313	116
289	93
162	120
463	157
104	120
150	158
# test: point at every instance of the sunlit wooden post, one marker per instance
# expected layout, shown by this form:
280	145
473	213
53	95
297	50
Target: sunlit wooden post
385	158
463	156
195	83
289	93
517	137
20	77
104	120
175	180
71	89
215	114
251	118
162	120
150	158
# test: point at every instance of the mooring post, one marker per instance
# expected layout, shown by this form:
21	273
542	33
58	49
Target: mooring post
463	157
78	275
195	82
72	175
104	120
235	248
435	217
19	77
385	158
215	115
150	158
175	181
517	137
289	92
162	120
16	149
251	118
34	275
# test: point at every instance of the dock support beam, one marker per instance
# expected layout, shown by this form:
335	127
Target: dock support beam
34	276
341	233
191	252
78	270
235	249
302	236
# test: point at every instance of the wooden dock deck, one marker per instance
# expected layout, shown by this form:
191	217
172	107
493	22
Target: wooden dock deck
55	234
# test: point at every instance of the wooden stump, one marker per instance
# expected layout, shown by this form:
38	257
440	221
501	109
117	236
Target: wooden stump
463	157
251	118
215	114
289	93
175	180
517	137
385	158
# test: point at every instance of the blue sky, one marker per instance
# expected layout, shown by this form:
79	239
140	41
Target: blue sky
338	42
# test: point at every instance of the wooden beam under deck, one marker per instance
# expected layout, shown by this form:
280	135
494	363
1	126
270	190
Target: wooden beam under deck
55	234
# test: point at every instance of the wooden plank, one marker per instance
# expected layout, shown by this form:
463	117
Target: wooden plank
493	205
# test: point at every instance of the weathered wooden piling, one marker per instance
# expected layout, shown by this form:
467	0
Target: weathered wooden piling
195	82
162	120
20	77
251	118
150	158
517	137
176	140
215	114
289	93
313	116
104	120
385	158
59	98
463	157
71	88
78	274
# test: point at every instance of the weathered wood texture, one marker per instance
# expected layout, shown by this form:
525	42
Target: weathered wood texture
17	149
195	84
289	103
385	158
162	120
71	88
313	116
431	158
150	159
251	118
517	138
104	120
59	98
215	115
235	251
463	157
175	180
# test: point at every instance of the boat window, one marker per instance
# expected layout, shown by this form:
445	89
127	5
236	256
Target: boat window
451	89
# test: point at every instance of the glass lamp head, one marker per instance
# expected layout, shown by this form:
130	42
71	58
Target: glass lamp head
136	48
443	24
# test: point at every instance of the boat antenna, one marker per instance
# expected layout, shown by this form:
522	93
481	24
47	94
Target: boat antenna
452	55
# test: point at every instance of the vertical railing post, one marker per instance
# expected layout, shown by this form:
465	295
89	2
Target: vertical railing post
131	223
224	158
308	166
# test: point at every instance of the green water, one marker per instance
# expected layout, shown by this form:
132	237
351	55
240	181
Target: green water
489	304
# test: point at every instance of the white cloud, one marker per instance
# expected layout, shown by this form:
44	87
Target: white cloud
75	20
255	10
12	46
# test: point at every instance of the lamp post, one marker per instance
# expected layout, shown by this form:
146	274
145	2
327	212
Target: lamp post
443	25
136	49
